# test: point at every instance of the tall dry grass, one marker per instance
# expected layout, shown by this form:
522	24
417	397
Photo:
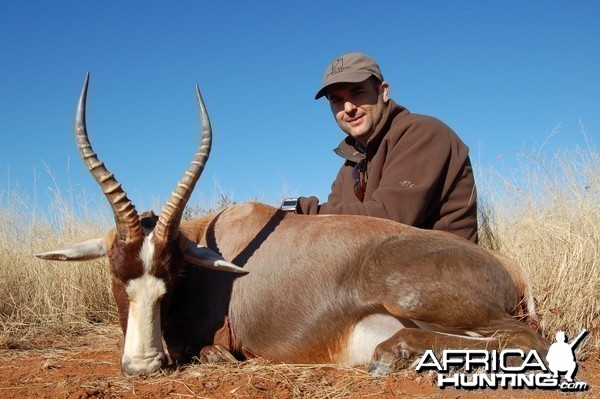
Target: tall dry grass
545	216
38	296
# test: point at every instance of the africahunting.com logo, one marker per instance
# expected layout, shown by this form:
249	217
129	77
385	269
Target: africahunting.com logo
509	368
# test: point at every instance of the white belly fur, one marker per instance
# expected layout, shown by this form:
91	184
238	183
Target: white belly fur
376	328
366	335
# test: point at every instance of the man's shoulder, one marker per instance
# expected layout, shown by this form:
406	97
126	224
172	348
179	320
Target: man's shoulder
407	129
417	127
411	120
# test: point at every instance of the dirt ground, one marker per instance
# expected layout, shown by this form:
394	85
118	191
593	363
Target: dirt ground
87	366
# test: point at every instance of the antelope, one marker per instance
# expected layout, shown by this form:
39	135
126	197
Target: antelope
253	280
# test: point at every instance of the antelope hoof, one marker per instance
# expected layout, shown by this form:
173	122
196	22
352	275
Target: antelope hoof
216	354
379	368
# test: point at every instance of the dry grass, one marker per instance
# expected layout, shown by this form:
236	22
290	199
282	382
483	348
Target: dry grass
546	217
36	295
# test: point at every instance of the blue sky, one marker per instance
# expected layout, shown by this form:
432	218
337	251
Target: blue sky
503	74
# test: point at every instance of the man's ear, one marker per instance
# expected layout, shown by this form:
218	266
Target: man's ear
385	91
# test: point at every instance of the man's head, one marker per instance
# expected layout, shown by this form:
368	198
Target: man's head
357	94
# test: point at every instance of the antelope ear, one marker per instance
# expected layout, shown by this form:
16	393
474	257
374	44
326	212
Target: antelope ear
204	257
85	250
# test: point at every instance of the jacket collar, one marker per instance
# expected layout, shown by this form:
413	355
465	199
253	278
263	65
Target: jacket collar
353	151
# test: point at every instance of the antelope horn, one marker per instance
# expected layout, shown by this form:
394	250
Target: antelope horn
126	217
167	227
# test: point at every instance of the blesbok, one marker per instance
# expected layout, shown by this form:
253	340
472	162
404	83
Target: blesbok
306	289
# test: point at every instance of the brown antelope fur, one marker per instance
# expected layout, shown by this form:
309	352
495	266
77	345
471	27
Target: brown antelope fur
296	288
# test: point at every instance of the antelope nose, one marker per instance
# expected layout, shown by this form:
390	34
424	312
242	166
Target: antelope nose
139	365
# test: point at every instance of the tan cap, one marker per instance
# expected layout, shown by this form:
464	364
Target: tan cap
349	68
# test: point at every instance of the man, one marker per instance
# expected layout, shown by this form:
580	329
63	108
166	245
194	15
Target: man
561	355
405	167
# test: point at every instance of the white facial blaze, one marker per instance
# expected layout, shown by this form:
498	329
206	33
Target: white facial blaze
143	352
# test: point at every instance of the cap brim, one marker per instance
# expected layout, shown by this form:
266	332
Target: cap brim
343	78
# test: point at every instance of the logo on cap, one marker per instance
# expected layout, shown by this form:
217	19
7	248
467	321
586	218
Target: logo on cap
337	66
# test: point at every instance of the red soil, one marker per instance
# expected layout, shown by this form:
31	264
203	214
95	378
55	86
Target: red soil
87	366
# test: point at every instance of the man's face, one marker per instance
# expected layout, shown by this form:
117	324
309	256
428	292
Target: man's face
358	107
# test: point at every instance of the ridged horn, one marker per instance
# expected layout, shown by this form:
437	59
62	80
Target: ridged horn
167	227
126	217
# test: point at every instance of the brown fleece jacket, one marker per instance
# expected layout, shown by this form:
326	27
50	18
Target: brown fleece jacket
418	172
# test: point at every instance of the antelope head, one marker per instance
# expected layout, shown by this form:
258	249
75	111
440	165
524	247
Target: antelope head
145	255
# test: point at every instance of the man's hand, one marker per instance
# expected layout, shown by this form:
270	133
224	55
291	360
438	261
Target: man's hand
308	205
